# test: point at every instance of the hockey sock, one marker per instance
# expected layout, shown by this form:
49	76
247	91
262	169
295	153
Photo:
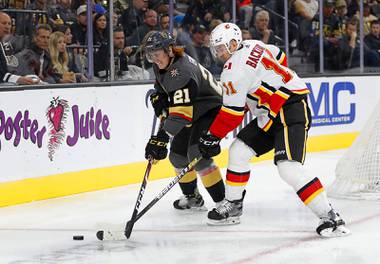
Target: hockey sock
188	182
235	184
238	171
309	190
213	182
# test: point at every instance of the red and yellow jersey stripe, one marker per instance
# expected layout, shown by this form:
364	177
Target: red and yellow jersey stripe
227	119
272	101
282	59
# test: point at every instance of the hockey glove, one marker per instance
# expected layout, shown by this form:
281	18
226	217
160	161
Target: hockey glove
209	145
160	104
157	146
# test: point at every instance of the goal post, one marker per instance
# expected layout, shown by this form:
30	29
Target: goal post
358	170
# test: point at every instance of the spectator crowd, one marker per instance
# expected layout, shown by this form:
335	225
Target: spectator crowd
46	40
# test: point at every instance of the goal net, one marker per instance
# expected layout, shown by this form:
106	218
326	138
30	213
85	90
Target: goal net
358	171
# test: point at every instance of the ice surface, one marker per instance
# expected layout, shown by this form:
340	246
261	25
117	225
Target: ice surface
275	227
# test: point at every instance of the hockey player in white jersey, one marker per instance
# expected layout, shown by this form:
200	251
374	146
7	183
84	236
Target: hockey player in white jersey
255	76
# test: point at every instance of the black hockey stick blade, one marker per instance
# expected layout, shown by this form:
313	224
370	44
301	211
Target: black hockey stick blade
128	228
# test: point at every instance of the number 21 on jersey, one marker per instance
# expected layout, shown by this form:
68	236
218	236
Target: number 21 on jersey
181	96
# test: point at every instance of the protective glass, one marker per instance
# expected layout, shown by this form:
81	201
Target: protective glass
219	51
152	55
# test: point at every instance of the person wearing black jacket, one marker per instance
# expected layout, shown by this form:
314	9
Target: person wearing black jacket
5	75
123	70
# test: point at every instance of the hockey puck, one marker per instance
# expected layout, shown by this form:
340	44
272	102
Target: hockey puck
100	234
78	237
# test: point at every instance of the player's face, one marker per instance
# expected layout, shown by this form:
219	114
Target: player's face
158	57
220	52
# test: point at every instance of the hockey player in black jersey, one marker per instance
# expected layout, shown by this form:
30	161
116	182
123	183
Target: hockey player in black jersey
190	98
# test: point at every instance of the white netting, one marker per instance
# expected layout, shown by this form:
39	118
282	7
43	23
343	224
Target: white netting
358	171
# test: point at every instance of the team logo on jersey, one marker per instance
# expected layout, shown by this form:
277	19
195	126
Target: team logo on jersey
174	72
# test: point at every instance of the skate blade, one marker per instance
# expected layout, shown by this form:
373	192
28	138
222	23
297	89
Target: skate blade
228	221
193	209
340	231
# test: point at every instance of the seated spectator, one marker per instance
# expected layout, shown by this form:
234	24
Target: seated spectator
348	52
33	19
302	13
36	60
133	16
246	34
331	35
306	9
5	75
116	18
186	26
164	22
123	70
205	11
100	30
372	40
79	28
149	24
200	51
77	60
367	18
61	13
375	7
341	11
261	31
160	6
64	72
352	8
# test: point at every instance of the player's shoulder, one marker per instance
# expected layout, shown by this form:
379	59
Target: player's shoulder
246	58
182	70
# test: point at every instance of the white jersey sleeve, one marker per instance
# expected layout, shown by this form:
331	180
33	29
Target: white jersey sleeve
255	76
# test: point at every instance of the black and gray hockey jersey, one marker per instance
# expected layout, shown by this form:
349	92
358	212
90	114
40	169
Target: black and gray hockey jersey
191	89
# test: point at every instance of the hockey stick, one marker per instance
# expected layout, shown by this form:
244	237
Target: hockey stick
131	222
129	226
111	235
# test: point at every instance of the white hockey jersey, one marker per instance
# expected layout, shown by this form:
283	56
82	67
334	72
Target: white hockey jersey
255	77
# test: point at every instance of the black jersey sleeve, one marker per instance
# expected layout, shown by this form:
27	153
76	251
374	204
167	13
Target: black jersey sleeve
181	107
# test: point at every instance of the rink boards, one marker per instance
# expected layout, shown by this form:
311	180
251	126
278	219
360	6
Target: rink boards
62	141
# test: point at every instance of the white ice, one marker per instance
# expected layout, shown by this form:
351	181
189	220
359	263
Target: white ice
276	227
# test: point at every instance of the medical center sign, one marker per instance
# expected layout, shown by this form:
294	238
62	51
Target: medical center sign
331	103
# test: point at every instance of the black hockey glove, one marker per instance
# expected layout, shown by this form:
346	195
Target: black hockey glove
157	146
160	104
209	145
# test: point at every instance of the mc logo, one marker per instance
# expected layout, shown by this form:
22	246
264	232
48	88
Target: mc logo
328	106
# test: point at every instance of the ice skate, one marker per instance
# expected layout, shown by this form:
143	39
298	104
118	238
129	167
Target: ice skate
332	226
190	202
226	213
